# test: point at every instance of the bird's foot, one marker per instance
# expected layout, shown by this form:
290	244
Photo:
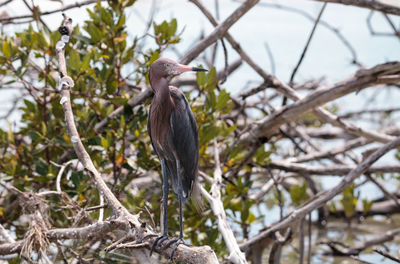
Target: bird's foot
158	241
177	242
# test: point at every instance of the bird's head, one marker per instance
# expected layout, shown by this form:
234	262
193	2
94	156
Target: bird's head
166	68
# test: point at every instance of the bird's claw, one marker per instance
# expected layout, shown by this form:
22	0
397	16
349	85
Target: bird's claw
158	240
177	242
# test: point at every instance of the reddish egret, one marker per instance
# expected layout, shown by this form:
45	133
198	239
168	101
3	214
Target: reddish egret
173	133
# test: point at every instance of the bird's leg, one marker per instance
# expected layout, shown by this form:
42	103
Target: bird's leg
178	240
164	236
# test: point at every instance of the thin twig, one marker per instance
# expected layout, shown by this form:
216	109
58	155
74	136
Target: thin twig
387	255
307	44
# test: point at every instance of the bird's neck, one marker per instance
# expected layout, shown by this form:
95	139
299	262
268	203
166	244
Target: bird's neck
162	93
161	108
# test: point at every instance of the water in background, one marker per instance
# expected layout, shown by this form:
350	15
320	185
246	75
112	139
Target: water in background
285	33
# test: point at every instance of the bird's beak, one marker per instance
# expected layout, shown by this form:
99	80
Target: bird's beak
184	68
197	69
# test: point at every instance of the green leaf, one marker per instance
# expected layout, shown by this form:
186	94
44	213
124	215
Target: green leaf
30	106
212	99
106	16
74	59
6	49
298	194
122	122
261	155
38	41
128	55
173	25
112	85
222	100
121	21
164	29
349	201
94	32
251	218
212	74
104	143
208	133
153	57
86	62
201	78
367	205
119	100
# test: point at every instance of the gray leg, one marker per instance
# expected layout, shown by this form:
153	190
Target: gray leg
180	198
178	240
165	197
164	236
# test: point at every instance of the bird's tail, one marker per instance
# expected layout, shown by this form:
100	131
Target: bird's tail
197	197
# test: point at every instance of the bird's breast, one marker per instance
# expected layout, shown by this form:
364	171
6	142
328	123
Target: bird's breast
160	122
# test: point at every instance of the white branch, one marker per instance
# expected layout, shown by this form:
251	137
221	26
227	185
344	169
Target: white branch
236	255
4	233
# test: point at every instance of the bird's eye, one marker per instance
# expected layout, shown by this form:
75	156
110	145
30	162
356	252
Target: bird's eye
167	65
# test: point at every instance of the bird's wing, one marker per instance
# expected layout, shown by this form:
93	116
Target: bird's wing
185	139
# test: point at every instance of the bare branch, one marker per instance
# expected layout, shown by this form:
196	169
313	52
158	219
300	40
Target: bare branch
7	20
308	43
344	250
6	236
387	255
385	6
338	170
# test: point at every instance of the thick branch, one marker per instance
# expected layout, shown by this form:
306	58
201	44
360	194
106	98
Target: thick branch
11	248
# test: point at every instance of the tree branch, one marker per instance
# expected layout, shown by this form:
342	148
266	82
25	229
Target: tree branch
335	170
388	6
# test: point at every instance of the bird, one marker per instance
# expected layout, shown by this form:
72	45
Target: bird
174	136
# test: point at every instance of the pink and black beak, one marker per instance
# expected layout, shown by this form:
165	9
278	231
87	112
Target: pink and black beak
184	68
